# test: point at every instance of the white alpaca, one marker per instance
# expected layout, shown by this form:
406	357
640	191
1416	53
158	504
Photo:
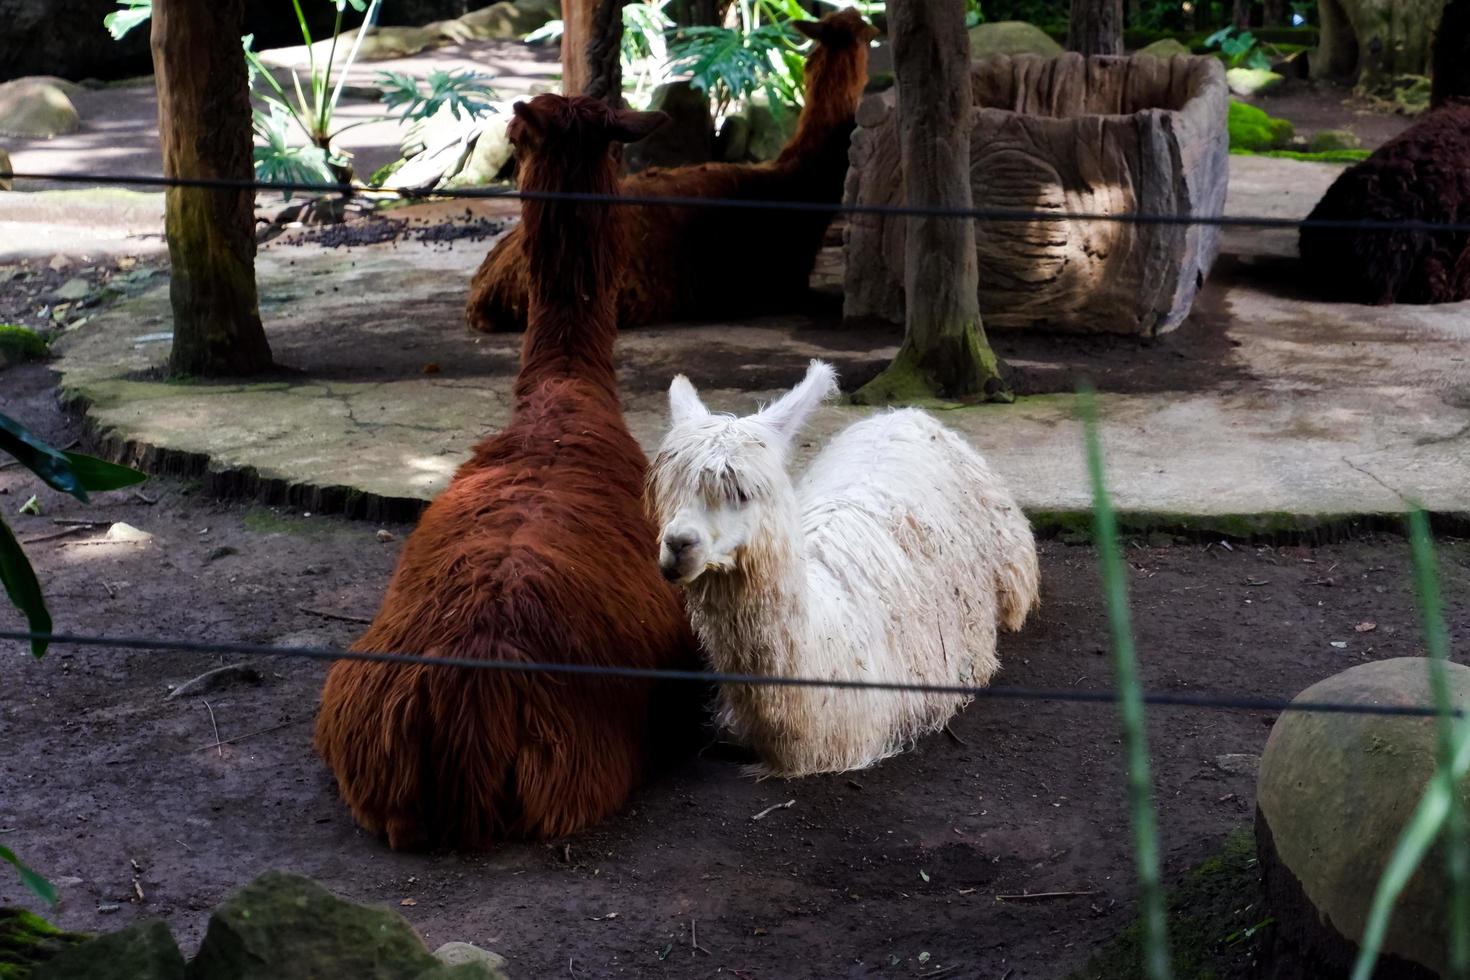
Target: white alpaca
891	560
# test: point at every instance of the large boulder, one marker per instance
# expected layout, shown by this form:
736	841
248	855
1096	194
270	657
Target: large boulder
1335	791
285	927
688	136
1163	48
1011	37
146	951
509	20
33	108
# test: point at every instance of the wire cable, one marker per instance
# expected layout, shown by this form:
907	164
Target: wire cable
1202	701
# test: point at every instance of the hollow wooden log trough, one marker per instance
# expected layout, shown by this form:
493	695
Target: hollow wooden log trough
1067	134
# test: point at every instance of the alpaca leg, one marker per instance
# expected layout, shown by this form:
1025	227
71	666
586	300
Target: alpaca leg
500	290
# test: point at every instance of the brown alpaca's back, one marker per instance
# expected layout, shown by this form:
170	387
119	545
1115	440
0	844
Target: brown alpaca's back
539	550
679	262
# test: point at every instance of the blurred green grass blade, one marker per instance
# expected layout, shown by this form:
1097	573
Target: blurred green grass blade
43	888
23	588
1436	643
1125	665
1419	834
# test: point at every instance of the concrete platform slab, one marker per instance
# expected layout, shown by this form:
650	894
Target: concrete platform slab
1310	412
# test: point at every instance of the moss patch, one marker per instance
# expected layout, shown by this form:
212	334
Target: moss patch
1253	129
27	940
18	343
1321	156
1217	922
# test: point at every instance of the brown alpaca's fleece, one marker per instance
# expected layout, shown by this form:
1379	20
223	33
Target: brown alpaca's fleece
1421	175
680	262
539	550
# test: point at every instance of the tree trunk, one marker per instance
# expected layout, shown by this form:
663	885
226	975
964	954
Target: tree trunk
204	127
1276	13
592	31
944	352
1241	15
604	54
1096	27
1204	15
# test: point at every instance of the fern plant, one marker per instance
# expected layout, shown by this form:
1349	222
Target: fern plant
466	93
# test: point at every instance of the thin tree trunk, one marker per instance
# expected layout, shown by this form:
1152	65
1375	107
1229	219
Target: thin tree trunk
204	126
1241	15
944	353
1275	13
604	54
577	17
1204	15
1096	27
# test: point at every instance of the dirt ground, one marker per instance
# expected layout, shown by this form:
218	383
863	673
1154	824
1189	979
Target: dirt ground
123	798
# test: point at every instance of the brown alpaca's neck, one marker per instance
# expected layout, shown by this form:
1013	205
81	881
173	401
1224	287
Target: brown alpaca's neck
835	78
575	258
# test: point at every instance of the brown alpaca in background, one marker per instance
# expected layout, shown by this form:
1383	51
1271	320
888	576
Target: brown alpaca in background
539	550
1423	174
680	266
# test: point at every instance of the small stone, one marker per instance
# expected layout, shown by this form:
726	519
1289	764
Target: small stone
72	290
457	954
1251	81
59	263
122	532
385	535
303	640
1238	763
1338	644
66	881
108	909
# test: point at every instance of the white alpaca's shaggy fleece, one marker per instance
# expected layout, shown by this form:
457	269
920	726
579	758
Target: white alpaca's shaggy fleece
893	559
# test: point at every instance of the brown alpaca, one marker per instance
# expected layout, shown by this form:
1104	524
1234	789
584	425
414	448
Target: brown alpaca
539	550
680	266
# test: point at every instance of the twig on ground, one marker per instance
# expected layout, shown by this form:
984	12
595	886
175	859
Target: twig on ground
343	617
241	738
143	498
1041	896
957	740
219	746
212	679
63	533
771	809
72	522
694	939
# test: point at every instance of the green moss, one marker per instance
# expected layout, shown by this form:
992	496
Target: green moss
1321	156
27	940
1253	129
906	382
267	520
1217	922
19	343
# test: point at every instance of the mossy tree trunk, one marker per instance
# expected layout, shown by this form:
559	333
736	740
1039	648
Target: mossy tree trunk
1096	27
204	126
944	354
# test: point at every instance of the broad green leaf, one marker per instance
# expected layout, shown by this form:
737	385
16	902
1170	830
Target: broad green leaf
134	13
98	475
29	878
51	465
23	588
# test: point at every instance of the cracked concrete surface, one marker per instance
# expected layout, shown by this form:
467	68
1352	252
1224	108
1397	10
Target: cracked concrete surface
1333	410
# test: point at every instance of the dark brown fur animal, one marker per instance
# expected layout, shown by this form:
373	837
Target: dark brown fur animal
1422	175
680	262
539	550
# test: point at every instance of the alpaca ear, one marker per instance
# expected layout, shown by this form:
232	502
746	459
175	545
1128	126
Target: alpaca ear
789	413
684	403
810	28
630	127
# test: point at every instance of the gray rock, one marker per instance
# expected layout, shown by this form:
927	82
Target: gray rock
34	108
688	136
1334	139
1238	763
510	20
72	290
460	955
146	951
1334	794
1163	48
489	155
285	927
1011	37
769	131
